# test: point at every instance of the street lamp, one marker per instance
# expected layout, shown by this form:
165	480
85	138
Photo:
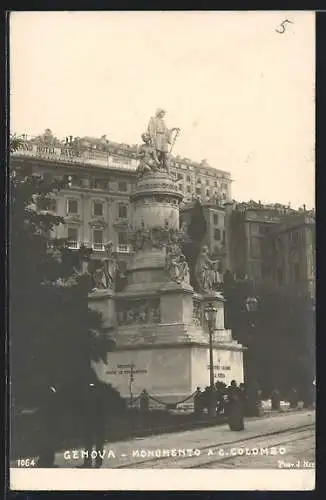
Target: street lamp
131	381
251	306
210	315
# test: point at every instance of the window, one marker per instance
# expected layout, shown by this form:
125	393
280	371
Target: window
217	234
122	211
254	228
180	177
207	192
198	190
122	238
224	186
73	237
223	237
75	180
188	189
215	183
181	187
255	247
295	237
198	181
188	178
207	182
100	184
72	207
98	208
98	239
123	246
215	219
263	229
122	186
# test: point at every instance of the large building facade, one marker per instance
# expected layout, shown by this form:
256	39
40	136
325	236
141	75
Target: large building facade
101	176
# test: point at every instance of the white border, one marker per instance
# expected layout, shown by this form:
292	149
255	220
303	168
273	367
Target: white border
163	480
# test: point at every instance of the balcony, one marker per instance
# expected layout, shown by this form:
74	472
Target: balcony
123	248
74	245
98	247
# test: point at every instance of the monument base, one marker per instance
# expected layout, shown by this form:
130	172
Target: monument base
170	373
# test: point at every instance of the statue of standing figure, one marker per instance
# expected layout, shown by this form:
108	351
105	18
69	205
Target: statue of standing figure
206	271
110	266
176	265
161	138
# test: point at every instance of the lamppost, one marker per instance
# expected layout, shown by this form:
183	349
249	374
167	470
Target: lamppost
251	306
131	380
210	315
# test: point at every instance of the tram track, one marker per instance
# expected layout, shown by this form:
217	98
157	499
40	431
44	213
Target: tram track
154	462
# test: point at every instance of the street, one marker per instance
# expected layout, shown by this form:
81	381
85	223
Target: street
282	441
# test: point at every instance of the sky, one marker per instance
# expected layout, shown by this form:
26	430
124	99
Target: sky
242	93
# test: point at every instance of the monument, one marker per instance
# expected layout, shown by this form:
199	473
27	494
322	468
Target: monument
161	335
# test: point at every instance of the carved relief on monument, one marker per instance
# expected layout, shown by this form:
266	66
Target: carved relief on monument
156	237
137	312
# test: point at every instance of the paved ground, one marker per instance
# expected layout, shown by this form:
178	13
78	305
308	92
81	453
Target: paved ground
280	441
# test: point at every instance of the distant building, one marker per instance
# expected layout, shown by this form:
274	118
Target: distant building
215	239
271	244
289	254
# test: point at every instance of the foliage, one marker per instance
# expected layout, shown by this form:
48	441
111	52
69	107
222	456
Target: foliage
50	323
279	335
15	143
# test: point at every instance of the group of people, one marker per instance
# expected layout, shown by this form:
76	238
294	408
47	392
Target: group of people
230	401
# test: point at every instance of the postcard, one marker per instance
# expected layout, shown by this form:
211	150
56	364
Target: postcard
162	250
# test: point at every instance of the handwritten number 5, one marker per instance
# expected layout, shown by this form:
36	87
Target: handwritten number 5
283	26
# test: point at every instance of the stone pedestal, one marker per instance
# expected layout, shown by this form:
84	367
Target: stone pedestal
170	373
103	302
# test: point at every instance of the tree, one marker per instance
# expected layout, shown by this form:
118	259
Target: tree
51	326
195	234
279	335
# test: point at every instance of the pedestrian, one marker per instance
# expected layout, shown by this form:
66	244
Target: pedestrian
219	387
198	402
101	404
293	398
235	408
276	399
144	401
49	418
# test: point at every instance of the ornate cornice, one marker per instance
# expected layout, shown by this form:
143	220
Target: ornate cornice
73	219
98	223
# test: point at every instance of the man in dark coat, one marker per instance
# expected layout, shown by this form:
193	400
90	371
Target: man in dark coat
235	408
101	404
49	417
